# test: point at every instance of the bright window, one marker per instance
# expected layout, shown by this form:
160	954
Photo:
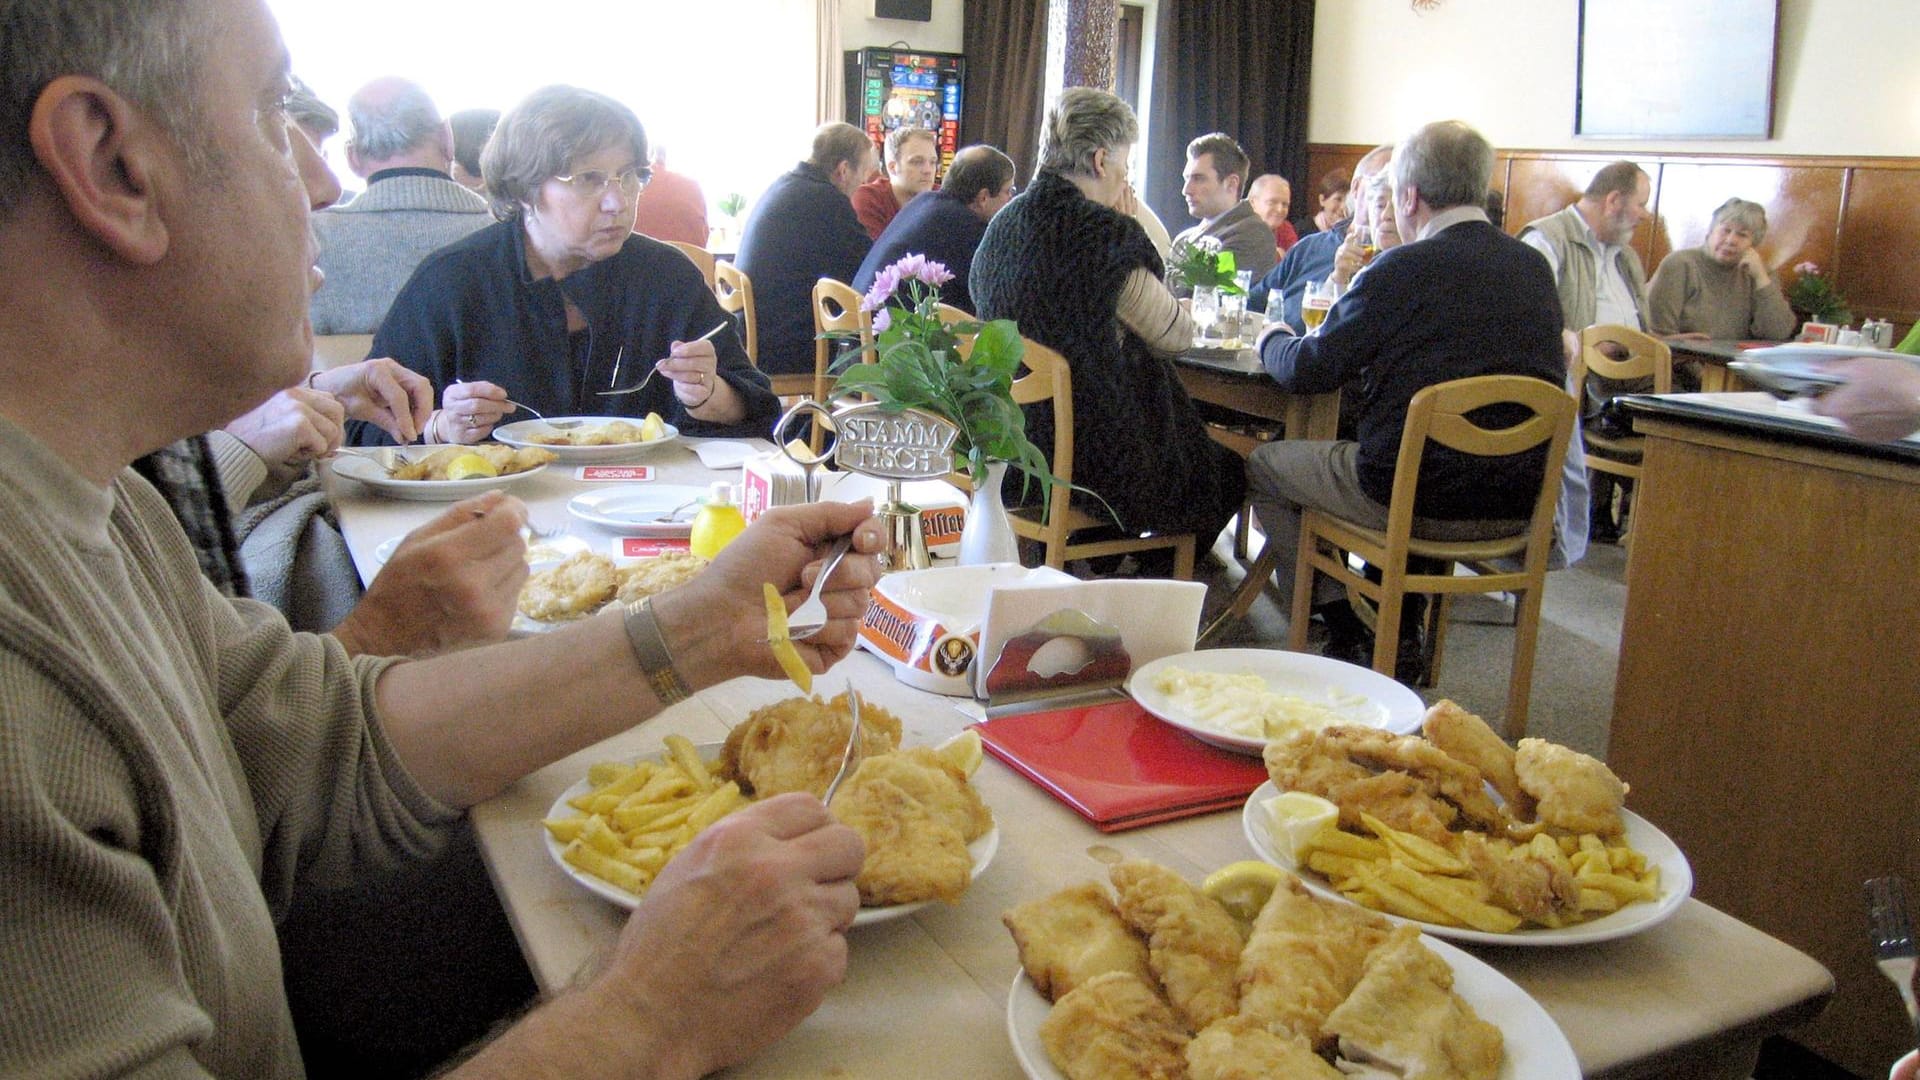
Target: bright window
726	85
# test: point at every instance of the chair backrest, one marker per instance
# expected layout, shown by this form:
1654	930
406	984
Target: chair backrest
1048	378
334	350
949	314
1647	356
734	289
1439	414
836	307
699	256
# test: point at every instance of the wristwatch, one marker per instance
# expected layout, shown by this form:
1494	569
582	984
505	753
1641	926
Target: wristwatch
650	649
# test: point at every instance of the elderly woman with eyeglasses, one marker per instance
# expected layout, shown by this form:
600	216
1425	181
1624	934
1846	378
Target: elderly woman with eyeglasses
560	300
1721	289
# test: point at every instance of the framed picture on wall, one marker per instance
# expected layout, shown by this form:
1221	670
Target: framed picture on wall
1660	69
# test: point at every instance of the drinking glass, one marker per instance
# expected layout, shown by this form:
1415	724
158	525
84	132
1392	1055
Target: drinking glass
1206	310
1319	298
1232	307
1364	236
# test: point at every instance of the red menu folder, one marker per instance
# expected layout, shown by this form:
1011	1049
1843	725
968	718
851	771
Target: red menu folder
1118	766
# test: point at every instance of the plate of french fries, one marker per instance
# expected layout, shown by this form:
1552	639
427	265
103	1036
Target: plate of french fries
613	831
1628	883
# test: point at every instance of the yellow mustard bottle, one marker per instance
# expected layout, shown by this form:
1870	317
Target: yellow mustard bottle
718	521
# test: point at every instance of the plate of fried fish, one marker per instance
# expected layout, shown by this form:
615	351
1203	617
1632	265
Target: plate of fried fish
927	832
420	474
582	582
586	440
1157	978
1464	836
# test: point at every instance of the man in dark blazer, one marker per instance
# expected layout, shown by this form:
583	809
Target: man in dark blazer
946	225
1459	298
801	230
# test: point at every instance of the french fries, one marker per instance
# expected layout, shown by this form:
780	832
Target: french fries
1415	878
638	817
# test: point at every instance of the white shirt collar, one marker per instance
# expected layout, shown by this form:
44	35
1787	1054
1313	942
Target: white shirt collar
1452	215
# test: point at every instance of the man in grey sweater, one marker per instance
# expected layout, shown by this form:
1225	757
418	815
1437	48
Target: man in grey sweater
412	207
177	767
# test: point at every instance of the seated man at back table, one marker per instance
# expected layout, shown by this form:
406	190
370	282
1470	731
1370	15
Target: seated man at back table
1215	173
412	206
912	159
1458	298
946	225
803	229
1272	197
1312	258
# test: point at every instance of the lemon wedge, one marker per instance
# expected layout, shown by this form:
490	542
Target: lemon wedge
652	427
783	649
1242	887
471	467
962	751
1294	819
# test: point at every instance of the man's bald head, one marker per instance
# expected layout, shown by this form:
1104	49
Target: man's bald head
1271	197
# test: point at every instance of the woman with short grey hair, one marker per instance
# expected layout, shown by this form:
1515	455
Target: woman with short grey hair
1067	262
560	300
1722	289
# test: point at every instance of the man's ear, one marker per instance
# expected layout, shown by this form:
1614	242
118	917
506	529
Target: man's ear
104	158
1100	161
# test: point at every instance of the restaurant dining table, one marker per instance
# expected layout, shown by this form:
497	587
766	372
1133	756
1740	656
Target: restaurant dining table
1233	379
1710	359
926	994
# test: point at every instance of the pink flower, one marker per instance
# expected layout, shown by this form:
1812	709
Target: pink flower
1806	268
884	284
882	319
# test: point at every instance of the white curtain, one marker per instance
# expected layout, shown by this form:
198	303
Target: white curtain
830	100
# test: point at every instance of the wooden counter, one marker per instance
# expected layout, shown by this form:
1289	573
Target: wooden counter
1767	708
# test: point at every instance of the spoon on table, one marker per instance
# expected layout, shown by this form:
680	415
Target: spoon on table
641	385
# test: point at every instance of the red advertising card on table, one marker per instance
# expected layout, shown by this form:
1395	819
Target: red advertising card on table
624	473
1118	766
646	547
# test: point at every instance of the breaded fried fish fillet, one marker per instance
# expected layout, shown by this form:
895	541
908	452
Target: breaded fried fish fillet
1404	1016
1073	936
1304	958
1193	945
1115	1027
911	854
1576	792
796	744
1238	1049
1467	738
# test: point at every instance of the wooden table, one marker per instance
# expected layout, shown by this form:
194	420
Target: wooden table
1711	360
926	995
1236	381
1766	703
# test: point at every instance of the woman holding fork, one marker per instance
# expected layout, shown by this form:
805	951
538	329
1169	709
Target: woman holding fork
560	301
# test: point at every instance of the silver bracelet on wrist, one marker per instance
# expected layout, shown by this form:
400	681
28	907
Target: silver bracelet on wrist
650	650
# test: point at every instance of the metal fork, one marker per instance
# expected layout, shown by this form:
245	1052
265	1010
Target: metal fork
642	384
1893	939
557	425
852	752
811	617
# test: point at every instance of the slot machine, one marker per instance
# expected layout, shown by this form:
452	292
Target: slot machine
889	87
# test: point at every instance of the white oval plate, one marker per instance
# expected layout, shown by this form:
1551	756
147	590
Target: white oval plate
1676	884
521	433
630	509
1536	1048
982	851
1315	678
371	473
541	555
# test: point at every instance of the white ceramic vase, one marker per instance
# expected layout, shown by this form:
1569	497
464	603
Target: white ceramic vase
987	537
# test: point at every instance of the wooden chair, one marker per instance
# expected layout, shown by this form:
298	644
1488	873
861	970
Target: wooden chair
336	350
1439	414
734	289
1053	523
1647	356
836	308
699	256
951	315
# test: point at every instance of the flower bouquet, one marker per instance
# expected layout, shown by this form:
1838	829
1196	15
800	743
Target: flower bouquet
1814	297
918	364
1202	263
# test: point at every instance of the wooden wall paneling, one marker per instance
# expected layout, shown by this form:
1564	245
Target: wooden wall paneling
1879	257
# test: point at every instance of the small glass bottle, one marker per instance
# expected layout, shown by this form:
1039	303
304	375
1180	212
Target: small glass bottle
718	522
